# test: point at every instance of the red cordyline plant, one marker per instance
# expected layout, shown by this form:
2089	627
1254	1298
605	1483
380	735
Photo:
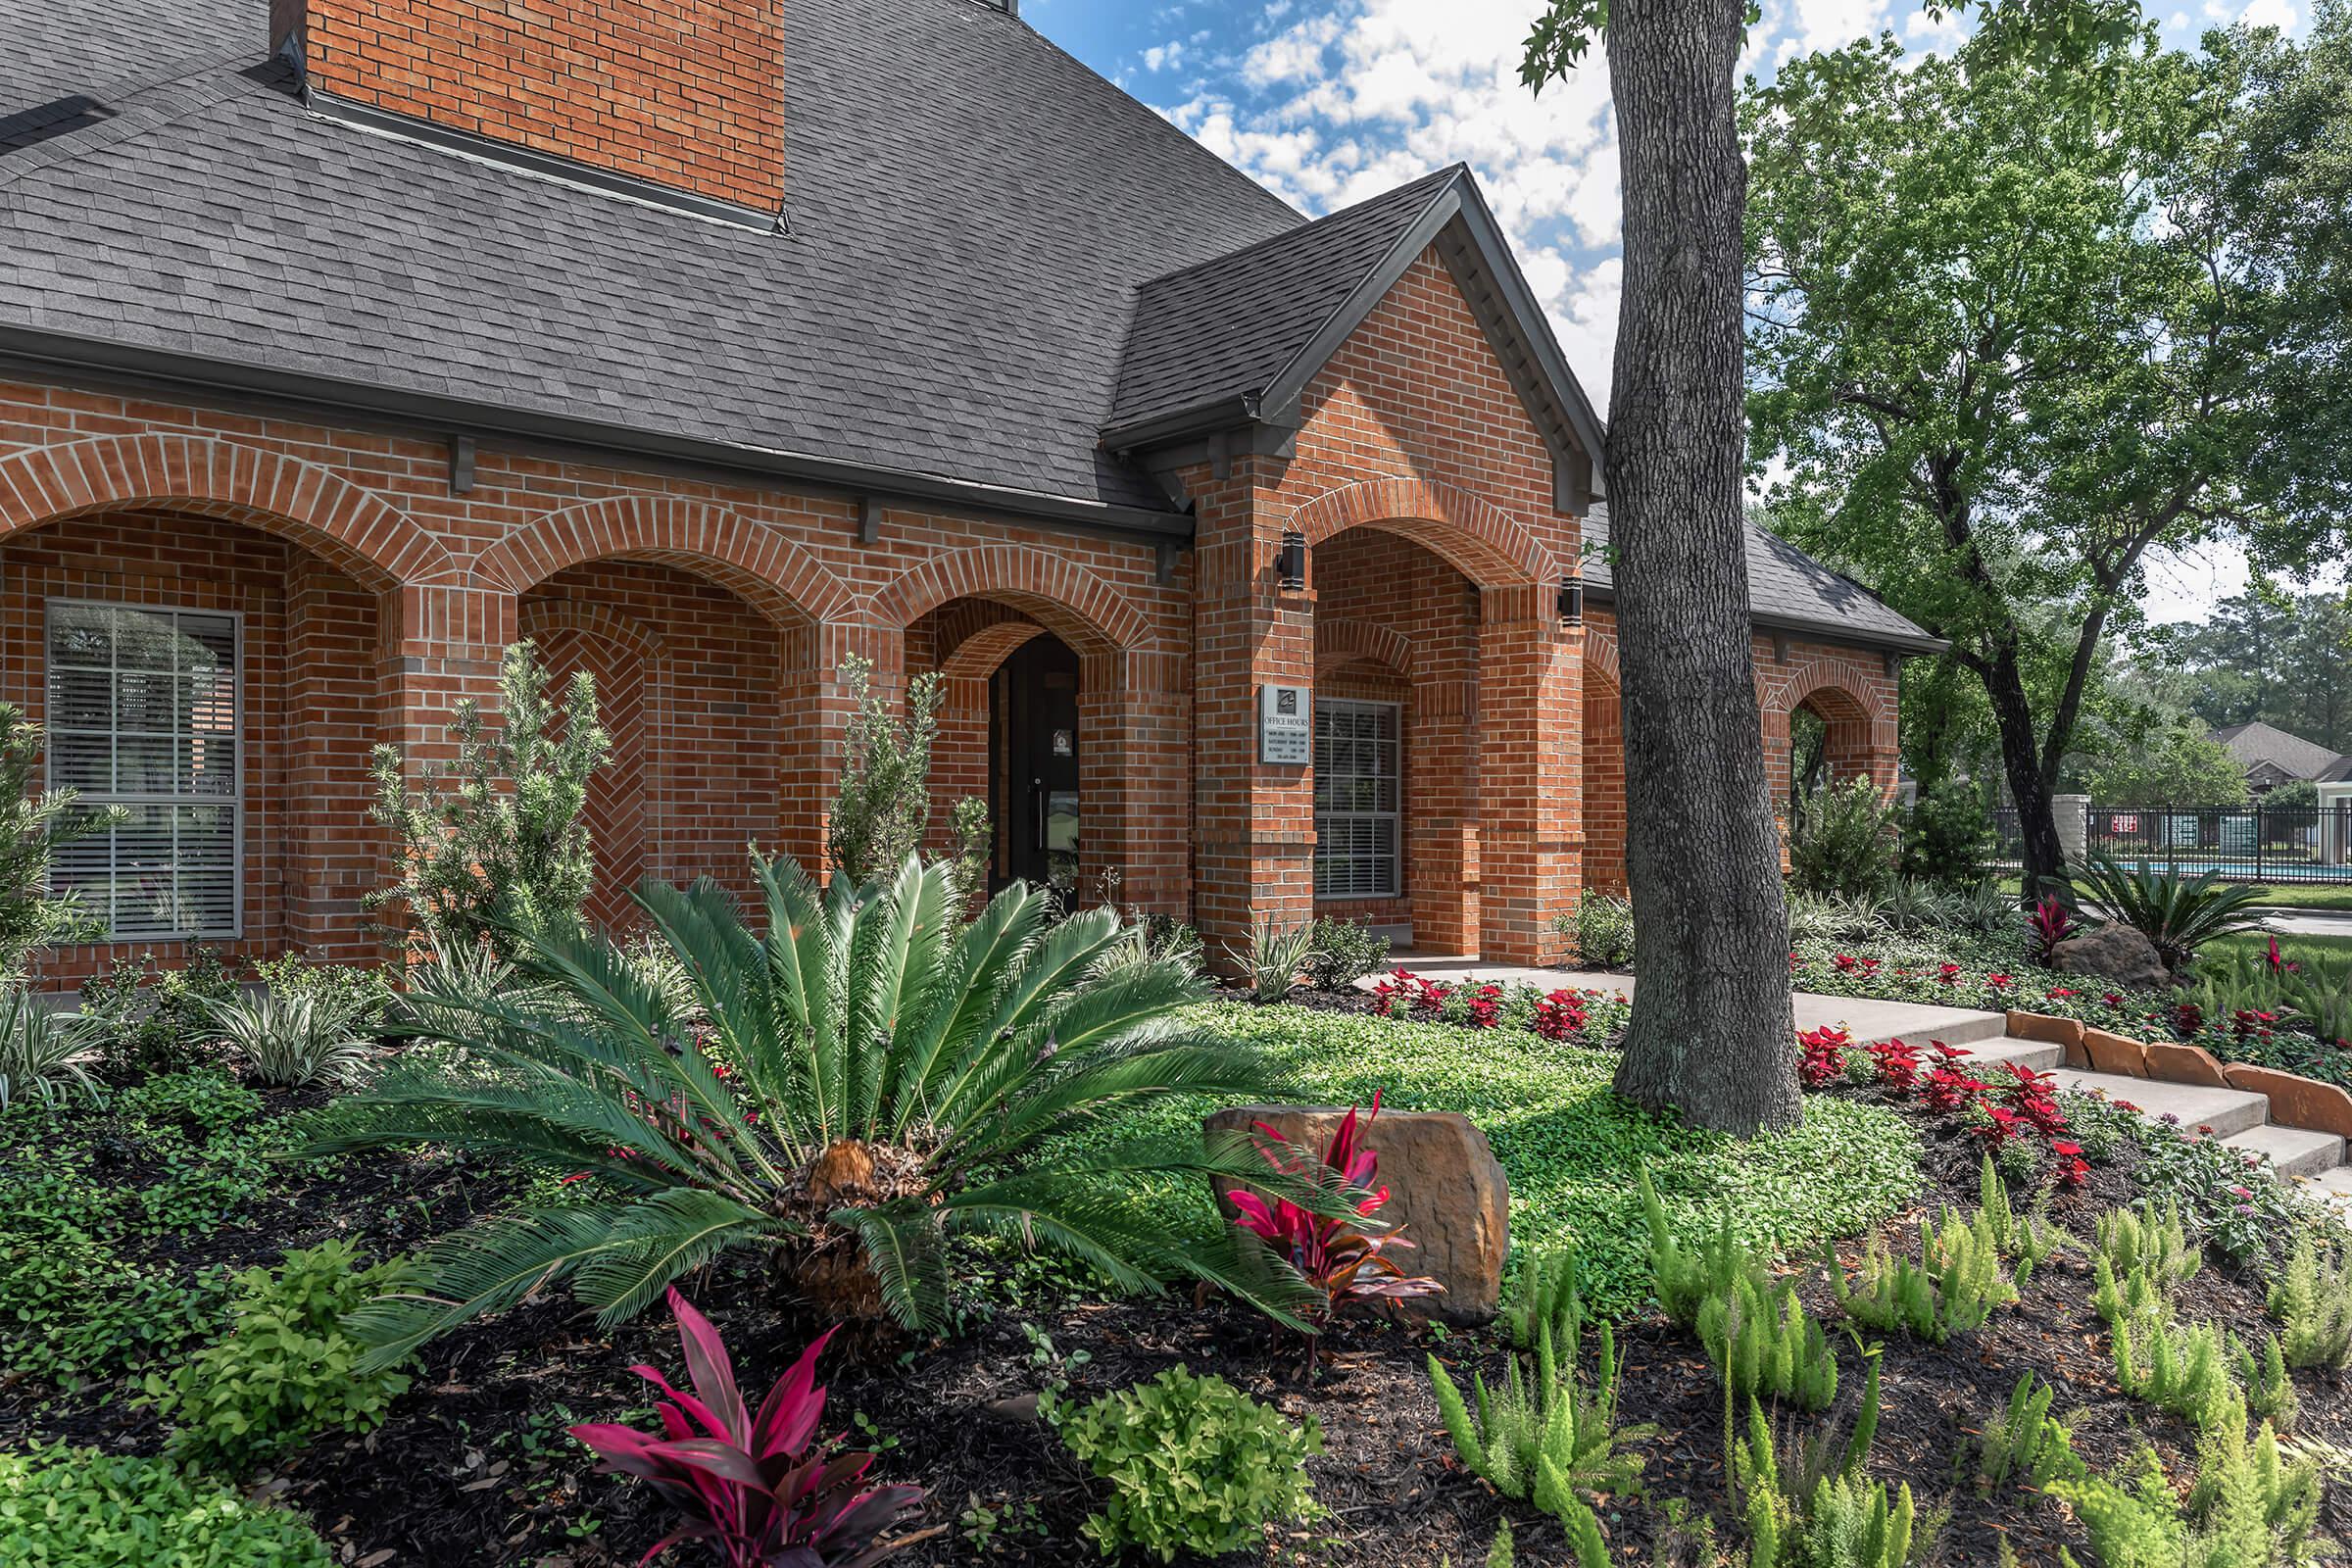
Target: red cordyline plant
2052	922
1339	1259
761	1489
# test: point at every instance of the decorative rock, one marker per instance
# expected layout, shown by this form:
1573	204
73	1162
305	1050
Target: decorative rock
2114	1054
2114	952
2185	1065
2296	1102
1446	1187
2050	1030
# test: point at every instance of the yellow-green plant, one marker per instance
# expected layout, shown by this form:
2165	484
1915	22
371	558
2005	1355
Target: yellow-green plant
1684	1279
1808	1504
2023	1443
2249	1508
2025	1241
2145	1242
2312	1300
2184	1368
1761	1340
1952	1288
2270	1391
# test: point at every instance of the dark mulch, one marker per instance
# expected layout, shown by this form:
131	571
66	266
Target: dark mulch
473	1467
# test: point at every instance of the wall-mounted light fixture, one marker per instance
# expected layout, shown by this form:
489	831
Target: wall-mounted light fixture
1290	565
1572	601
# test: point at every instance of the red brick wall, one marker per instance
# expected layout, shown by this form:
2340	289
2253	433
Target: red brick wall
687	93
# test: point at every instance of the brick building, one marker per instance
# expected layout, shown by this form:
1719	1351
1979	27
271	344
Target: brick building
343	342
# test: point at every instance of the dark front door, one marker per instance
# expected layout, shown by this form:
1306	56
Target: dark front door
1037	776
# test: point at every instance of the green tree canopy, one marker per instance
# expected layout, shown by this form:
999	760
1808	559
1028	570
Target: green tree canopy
2173	767
2018	316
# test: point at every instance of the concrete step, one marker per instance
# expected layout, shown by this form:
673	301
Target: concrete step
2038	1054
1870	1022
2222	1111
2293	1150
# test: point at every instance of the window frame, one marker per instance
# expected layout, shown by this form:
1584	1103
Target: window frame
234	800
1394	818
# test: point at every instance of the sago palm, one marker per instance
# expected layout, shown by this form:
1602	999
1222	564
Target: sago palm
846	1088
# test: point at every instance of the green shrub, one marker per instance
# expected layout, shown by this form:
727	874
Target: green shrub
1807	1502
64	1507
158	1020
1836	918
2311	1298
494	838
2181	1367
1603	929
1842	840
2178	914
294	1041
1278	951
1547	1294
1948	838
1194	1465
1341	952
2143	1255
1542	1436
284	1369
42	1056
2026	1242
2249	1507
1951	1288
1761	1340
2270	1391
2025	1445
882	807
35	824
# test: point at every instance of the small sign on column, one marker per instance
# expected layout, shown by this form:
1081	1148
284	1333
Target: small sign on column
1286	724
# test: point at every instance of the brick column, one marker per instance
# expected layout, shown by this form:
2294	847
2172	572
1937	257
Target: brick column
816	705
332	855
1529	765
1440	814
1133	714
1254	823
440	646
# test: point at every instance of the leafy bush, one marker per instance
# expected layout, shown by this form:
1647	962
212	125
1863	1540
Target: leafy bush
493	840
1341	952
2248	1506
1842	840
64	1507
1194	1465
1603	929
292	1041
2023	1444
1951	1288
1948	839
2183	1367
1541	1437
2178	914
2311	1298
849	1097
1836	918
761	1490
43	1057
1277	952
284	1369
35	824
882	809
158	1020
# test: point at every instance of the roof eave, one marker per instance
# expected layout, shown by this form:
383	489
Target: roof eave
1909	644
54	353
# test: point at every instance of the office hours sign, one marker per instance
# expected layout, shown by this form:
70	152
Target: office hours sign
1286	724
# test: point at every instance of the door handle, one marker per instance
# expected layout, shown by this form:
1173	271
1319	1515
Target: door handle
1037	804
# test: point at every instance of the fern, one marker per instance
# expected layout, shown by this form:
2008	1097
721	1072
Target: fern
1763	1341
1547	1293
2023	1443
2184	1368
2025	1241
1807	1500
1685	1280
1952	1288
2312	1302
2270	1391
2144	1241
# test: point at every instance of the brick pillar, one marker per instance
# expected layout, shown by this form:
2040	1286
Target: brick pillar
816	705
1441	820
1254	823
1779	760
1604	788
1133	727
1531	718
332	859
440	646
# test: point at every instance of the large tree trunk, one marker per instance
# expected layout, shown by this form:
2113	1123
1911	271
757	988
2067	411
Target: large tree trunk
1712	1028
2021	761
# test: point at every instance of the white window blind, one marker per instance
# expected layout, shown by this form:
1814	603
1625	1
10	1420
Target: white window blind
143	715
1359	779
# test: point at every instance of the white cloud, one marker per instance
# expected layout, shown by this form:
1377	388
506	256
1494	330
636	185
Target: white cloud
1164	56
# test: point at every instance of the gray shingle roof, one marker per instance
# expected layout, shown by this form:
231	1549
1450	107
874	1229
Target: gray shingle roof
1786	587
2293	754
969	211
1224	329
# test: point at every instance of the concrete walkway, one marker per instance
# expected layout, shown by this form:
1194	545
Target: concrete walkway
2236	1117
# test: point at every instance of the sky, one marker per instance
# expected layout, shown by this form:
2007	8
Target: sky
1328	102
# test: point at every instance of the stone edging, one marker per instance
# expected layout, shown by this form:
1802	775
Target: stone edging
2295	1100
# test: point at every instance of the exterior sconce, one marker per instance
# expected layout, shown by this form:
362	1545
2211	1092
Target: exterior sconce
1572	601
1290	565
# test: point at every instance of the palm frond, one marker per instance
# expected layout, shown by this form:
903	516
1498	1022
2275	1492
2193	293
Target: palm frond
1115	1084
676	1232
962	1000
1057	964
899	957
902	1246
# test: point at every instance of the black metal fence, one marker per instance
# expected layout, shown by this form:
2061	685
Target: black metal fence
2257	843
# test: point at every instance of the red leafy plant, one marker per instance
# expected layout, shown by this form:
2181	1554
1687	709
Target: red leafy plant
2052	922
1486	1006
762	1489
1821	1062
1420	993
1897	1065
1340	1260
1561	1016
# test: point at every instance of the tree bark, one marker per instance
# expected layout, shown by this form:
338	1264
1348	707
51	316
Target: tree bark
1712	1027
2030	782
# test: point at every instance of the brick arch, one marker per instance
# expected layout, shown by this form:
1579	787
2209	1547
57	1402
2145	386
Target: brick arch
373	542
1342	640
1600	657
1477	538
1833	687
758	564
1064	597
978	656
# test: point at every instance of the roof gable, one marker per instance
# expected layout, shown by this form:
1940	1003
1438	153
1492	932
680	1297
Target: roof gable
2290	755
1238	338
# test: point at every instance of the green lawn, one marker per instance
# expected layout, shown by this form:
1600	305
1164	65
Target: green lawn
2285	896
2291	943
1569	1147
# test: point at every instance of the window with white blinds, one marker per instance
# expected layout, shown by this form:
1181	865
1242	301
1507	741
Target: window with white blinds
143	715
1359	782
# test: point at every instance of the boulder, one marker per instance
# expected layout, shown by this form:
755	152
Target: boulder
2295	1100
2113	953
1446	1187
2185	1065
2114	1054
